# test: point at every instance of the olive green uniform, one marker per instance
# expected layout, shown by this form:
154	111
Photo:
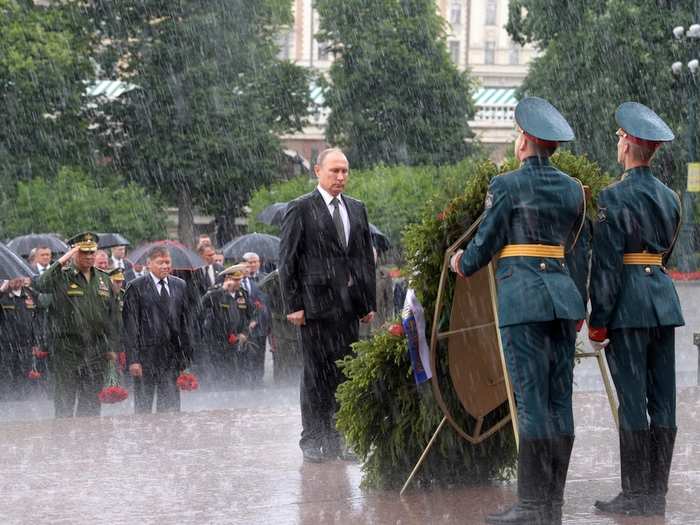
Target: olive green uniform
83	318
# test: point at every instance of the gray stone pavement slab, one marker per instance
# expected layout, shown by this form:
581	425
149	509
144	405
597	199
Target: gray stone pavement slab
243	466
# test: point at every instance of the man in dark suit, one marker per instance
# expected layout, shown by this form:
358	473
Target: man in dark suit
118	260
156	318
207	275
328	283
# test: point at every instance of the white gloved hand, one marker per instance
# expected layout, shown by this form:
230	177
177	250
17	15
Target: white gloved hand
599	345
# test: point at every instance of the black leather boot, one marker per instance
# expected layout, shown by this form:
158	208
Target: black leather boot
634	474
561	453
534	479
662	441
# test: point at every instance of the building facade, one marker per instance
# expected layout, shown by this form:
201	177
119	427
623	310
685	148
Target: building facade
477	41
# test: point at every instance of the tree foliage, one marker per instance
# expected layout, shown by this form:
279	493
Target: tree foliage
73	201
212	96
394	94
598	54
43	66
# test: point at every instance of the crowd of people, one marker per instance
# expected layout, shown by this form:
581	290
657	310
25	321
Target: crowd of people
90	307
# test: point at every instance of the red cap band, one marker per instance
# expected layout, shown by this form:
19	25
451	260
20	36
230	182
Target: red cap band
651	144
541	142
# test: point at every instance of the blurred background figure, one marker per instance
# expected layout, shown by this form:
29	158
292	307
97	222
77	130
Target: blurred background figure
40	259
118	259
101	260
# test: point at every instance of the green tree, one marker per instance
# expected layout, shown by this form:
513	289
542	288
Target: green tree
394	94
43	65
598	54
73	201
212	97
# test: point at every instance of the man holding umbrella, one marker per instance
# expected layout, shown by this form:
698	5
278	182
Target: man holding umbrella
82	326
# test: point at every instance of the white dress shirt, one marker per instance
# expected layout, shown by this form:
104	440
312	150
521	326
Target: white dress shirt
117	263
341	208
40	269
156	281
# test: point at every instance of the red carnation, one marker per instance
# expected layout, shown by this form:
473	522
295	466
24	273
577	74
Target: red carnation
258	304
396	330
441	216
34	374
187	381
112	394
41	354
122	360
232	338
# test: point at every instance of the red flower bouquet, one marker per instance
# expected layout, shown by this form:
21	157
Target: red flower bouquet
39	353
232	339
34	374
396	330
121	359
187	381
112	392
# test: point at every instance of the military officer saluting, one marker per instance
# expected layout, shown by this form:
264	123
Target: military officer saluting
532	220
82	326
635	308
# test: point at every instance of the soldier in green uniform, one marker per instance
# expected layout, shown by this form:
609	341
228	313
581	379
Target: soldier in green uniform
82	326
227	314
116	275
531	223
635	309
20	326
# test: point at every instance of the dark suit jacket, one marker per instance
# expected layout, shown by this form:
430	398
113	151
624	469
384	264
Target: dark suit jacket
315	269
159	337
202	279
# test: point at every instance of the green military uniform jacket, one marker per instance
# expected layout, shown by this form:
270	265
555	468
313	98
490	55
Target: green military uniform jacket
536	204
638	213
83	316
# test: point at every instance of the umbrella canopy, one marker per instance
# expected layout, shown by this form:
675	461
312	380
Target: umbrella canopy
266	246
379	239
182	257
273	214
11	266
24	244
109	240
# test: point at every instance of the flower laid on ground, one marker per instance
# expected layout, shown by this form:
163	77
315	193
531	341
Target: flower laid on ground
187	381
396	330
112	391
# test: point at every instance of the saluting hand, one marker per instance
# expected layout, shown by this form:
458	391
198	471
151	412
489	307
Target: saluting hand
68	255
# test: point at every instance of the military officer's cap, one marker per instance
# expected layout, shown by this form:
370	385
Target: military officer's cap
542	123
116	274
86	241
237	271
640	125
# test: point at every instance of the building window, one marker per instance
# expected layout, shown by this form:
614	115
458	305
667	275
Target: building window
284	43
490	52
456	13
491	12
323	51
514	55
454	51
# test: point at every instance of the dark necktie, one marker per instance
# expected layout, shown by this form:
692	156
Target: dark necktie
338	221
164	295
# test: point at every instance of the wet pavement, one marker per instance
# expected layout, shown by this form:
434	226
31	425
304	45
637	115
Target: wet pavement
232	458
243	466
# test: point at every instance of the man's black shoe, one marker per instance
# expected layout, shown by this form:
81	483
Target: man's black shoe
521	514
655	505
623	504
313	455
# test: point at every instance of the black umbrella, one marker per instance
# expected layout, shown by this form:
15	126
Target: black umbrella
273	214
110	240
24	244
379	239
266	246
12	266
182	257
